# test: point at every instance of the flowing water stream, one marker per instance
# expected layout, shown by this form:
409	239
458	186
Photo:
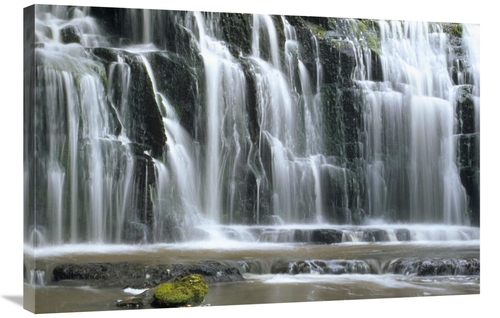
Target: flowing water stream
161	148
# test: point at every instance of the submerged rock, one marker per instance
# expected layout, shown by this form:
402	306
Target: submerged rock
130	302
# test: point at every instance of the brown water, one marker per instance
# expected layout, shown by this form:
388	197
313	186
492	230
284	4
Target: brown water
261	287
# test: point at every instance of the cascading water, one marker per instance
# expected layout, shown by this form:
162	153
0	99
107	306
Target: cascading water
411	165
256	150
225	100
84	167
290	126
285	147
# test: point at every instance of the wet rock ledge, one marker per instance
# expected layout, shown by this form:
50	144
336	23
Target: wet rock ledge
139	276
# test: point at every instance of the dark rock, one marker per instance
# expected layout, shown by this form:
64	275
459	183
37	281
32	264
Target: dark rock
465	110
433	267
467	267
180	83
301	236
141	115
402	267
336	267
106	55
427	268
468	145
130	302
358	267
342	187
280	267
342	109
300	267
326	236
375	235
142	276
111	19
75	271
339	58
468	150
470	177
212	271
237	32
139	149
145	120
70	34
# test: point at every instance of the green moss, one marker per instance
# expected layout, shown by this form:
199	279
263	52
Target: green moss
172	295
454	29
70	35
365	29
320	30
187	290
317	29
372	41
196	283
106	54
361	26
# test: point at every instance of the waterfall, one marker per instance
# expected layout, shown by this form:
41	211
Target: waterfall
289	104
264	37
177	206
87	166
225	127
409	118
167	127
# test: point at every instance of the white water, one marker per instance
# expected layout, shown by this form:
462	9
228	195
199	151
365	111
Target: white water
290	123
275	237
73	89
410	123
201	180
250	199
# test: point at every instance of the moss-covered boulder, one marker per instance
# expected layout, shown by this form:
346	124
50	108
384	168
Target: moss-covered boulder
187	290
70	34
172	295
196	284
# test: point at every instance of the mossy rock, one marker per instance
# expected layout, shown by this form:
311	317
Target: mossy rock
453	29
187	290
70	34
172	295
196	283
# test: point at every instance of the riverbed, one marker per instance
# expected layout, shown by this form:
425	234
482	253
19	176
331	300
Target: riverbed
258	263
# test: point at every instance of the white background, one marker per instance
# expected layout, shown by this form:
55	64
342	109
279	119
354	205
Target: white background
470	11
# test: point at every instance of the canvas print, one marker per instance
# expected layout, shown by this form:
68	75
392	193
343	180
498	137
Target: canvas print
190	159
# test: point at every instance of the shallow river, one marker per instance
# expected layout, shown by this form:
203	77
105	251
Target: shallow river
260	286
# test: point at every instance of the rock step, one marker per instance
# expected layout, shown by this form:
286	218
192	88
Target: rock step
413	266
433	267
139	276
323	236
